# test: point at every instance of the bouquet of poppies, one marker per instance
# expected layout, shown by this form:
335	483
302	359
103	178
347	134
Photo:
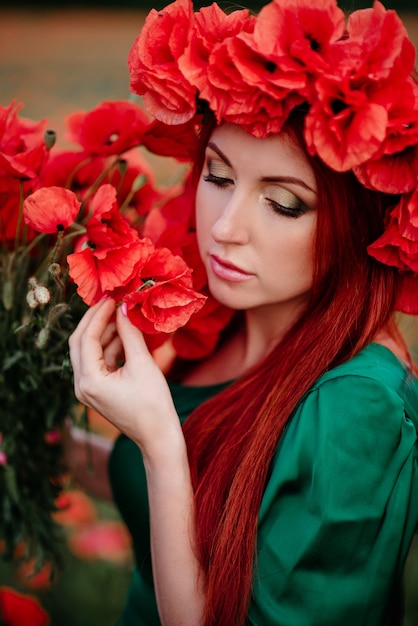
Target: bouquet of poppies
75	225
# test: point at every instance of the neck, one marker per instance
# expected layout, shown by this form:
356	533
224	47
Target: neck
264	329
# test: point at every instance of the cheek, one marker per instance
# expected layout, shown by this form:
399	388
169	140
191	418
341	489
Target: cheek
203	217
205	210
296	251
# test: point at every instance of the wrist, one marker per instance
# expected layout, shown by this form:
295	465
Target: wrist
165	451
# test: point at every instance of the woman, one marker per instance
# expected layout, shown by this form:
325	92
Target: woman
273	482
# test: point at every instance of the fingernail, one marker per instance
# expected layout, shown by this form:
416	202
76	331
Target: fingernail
124	308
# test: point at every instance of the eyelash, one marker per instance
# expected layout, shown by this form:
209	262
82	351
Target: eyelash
286	211
217	180
280	209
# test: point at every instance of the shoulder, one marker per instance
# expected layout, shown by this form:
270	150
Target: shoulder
352	428
361	416
372	385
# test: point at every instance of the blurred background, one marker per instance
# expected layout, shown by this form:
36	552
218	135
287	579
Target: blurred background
56	61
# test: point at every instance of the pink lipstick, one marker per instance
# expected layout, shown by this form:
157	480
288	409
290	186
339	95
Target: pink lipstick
228	271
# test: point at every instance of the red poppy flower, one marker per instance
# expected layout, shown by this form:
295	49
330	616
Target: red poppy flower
244	87
96	272
107	256
110	128
398	246
74	508
160	297
107	228
51	209
211	27
102	539
22	147
298	35
394	169
346	125
384	47
153	63
232	76
17	609
391	173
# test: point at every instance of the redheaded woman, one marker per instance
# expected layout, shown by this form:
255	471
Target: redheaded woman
274	482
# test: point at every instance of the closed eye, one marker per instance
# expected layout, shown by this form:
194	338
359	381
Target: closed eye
284	202
219	181
287	211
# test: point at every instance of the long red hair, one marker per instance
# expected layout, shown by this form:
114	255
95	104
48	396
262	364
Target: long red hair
231	438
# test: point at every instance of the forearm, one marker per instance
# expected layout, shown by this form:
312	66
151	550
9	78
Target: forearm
136	399
178	579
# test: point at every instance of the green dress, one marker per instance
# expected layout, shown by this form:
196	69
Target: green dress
339	510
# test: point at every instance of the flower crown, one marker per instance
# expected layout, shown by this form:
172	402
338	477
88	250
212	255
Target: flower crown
355	78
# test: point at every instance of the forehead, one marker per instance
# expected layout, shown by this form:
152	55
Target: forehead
277	155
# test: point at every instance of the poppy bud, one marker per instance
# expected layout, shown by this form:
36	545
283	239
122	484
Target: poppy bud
50	138
31	299
7	295
139	182
42	294
54	270
56	311
42	338
122	166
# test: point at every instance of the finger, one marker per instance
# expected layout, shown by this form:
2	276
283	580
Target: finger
87	317
109	334
89	344
113	354
132	338
75	339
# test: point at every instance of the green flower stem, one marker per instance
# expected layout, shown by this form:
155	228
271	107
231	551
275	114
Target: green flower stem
20	214
57	247
34	242
69	181
94	187
138	183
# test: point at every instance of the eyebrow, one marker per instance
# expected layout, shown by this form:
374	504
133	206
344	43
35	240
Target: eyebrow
291	180
219	152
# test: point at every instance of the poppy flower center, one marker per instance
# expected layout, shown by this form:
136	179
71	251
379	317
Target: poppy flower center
270	67
146	283
112	138
338	106
315	45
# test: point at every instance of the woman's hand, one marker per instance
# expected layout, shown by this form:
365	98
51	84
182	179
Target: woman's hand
134	397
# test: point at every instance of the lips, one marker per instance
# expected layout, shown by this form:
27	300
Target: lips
228	271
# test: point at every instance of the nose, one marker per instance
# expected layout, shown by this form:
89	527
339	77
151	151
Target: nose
232	223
